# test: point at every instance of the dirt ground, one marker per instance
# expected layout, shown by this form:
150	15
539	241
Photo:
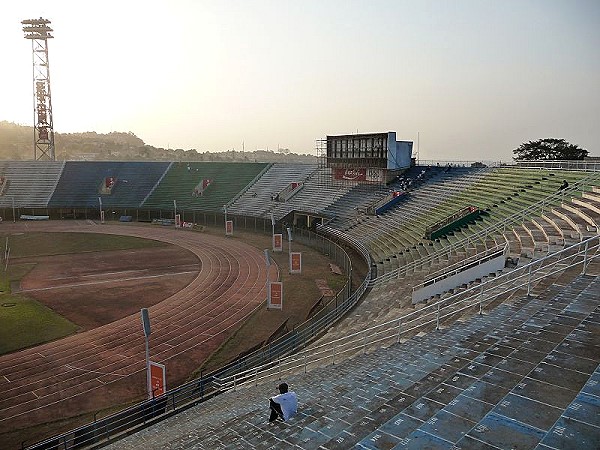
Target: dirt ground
84	288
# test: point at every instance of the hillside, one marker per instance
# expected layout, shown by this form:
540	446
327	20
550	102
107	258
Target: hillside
16	144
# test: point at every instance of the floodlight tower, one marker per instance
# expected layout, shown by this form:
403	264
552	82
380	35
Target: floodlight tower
39	31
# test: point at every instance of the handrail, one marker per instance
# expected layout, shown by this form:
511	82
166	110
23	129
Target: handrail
482	235
434	313
584	165
460	266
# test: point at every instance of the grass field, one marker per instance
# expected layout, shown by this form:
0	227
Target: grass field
25	322
47	244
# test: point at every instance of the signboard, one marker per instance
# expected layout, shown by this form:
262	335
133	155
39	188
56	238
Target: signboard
229	228
201	186
350	174
158	379
278	242
296	262
102	216
177	220
372	175
275	295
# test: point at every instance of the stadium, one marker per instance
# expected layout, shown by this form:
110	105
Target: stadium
467	315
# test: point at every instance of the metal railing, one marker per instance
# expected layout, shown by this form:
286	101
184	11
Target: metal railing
461	266
432	316
585	165
537	209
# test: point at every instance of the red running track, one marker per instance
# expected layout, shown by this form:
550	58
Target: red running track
104	366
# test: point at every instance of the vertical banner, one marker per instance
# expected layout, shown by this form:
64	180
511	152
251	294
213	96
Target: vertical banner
158	379
102	216
275	297
229	228
177	220
296	262
278	242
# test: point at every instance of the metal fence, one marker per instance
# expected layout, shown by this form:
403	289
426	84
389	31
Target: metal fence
472	300
584	165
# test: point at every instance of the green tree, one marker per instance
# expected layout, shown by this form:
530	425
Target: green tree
549	148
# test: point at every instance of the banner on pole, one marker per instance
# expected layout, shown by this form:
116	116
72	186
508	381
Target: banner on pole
275	297
229	228
158	379
278	242
296	262
102	216
177	220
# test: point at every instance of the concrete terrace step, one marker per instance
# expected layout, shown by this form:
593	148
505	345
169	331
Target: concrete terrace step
523	374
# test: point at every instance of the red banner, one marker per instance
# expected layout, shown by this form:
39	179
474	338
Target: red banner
275	300
229	228
295	262
277	242
158	379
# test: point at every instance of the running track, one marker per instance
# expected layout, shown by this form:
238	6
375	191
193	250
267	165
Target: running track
91	370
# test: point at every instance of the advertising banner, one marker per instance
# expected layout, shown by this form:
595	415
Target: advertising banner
177	220
229	228
158	379
350	174
296	262
277	242
371	175
275	298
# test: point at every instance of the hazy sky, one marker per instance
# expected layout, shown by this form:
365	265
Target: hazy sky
473	79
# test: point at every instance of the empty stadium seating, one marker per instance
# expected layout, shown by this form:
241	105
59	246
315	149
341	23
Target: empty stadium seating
227	180
80	184
522	375
256	201
488	381
29	184
397	237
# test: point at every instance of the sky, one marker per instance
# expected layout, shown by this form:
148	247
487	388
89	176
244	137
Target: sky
465	80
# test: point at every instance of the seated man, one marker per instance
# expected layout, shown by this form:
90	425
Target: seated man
283	405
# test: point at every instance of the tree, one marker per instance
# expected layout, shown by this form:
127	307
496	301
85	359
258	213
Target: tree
549	148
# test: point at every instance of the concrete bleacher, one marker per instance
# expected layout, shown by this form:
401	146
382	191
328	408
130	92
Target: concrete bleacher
29	184
79	185
227	180
523	375
397	237
256	201
392	298
318	192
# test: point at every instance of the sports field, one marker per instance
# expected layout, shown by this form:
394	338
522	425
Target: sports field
88	283
61	283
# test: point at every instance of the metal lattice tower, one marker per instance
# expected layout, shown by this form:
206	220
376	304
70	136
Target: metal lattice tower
39	31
